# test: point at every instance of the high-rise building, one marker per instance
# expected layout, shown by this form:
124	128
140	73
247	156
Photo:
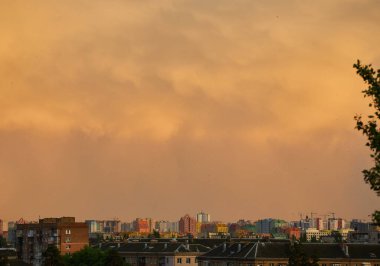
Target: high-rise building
203	217
11	239
141	225
112	226
104	226
187	225
267	226
95	226
1	227
174	227
319	224
32	239
127	227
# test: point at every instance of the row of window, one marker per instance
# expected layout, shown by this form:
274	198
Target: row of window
179	260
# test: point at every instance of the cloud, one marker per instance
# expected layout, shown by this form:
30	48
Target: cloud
184	104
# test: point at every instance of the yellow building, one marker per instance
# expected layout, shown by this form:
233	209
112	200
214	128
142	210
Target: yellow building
221	228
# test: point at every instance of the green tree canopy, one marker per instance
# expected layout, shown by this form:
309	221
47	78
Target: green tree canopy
94	257
52	257
298	257
369	126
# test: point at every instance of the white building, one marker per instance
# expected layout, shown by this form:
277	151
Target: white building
203	217
314	232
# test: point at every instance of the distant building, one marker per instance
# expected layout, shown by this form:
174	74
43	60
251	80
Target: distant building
32	239
112	226
203	217
293	232
212	230
314	233
319	223
141	225
269	226
95	226
174	227
127	227
1	227
167	227
11	239
187	225
360	226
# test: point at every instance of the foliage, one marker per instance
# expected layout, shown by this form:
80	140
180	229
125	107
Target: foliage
86	256
94	257
303	237
314	239
112	258
369	127
298	257
154	235
3	242
338	238
52	257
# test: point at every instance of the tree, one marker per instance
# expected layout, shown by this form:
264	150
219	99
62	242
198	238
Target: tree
3	242
338	238
113	258
298	257
52	257
369	126
86	256
94	257
313	239
303	237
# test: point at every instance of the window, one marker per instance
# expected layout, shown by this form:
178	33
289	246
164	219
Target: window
188	260
179	260
68	232
271	264
68	239
68	247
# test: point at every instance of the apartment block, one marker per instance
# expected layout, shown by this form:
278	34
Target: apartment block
187	225
33	238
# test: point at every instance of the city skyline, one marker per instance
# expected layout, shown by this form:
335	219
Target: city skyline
129	109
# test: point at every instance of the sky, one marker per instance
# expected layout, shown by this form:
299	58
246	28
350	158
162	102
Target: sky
242	109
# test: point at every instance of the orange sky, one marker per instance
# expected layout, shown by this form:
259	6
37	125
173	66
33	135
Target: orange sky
243	109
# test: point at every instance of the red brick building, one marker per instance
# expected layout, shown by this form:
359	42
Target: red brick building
187	225
32	239
1	227
141	225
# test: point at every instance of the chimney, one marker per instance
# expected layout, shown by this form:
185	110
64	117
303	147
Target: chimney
344	247
346	250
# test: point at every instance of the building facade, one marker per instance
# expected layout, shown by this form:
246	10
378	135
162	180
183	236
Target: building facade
187	225
257	253
158	253
203	217
32	239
